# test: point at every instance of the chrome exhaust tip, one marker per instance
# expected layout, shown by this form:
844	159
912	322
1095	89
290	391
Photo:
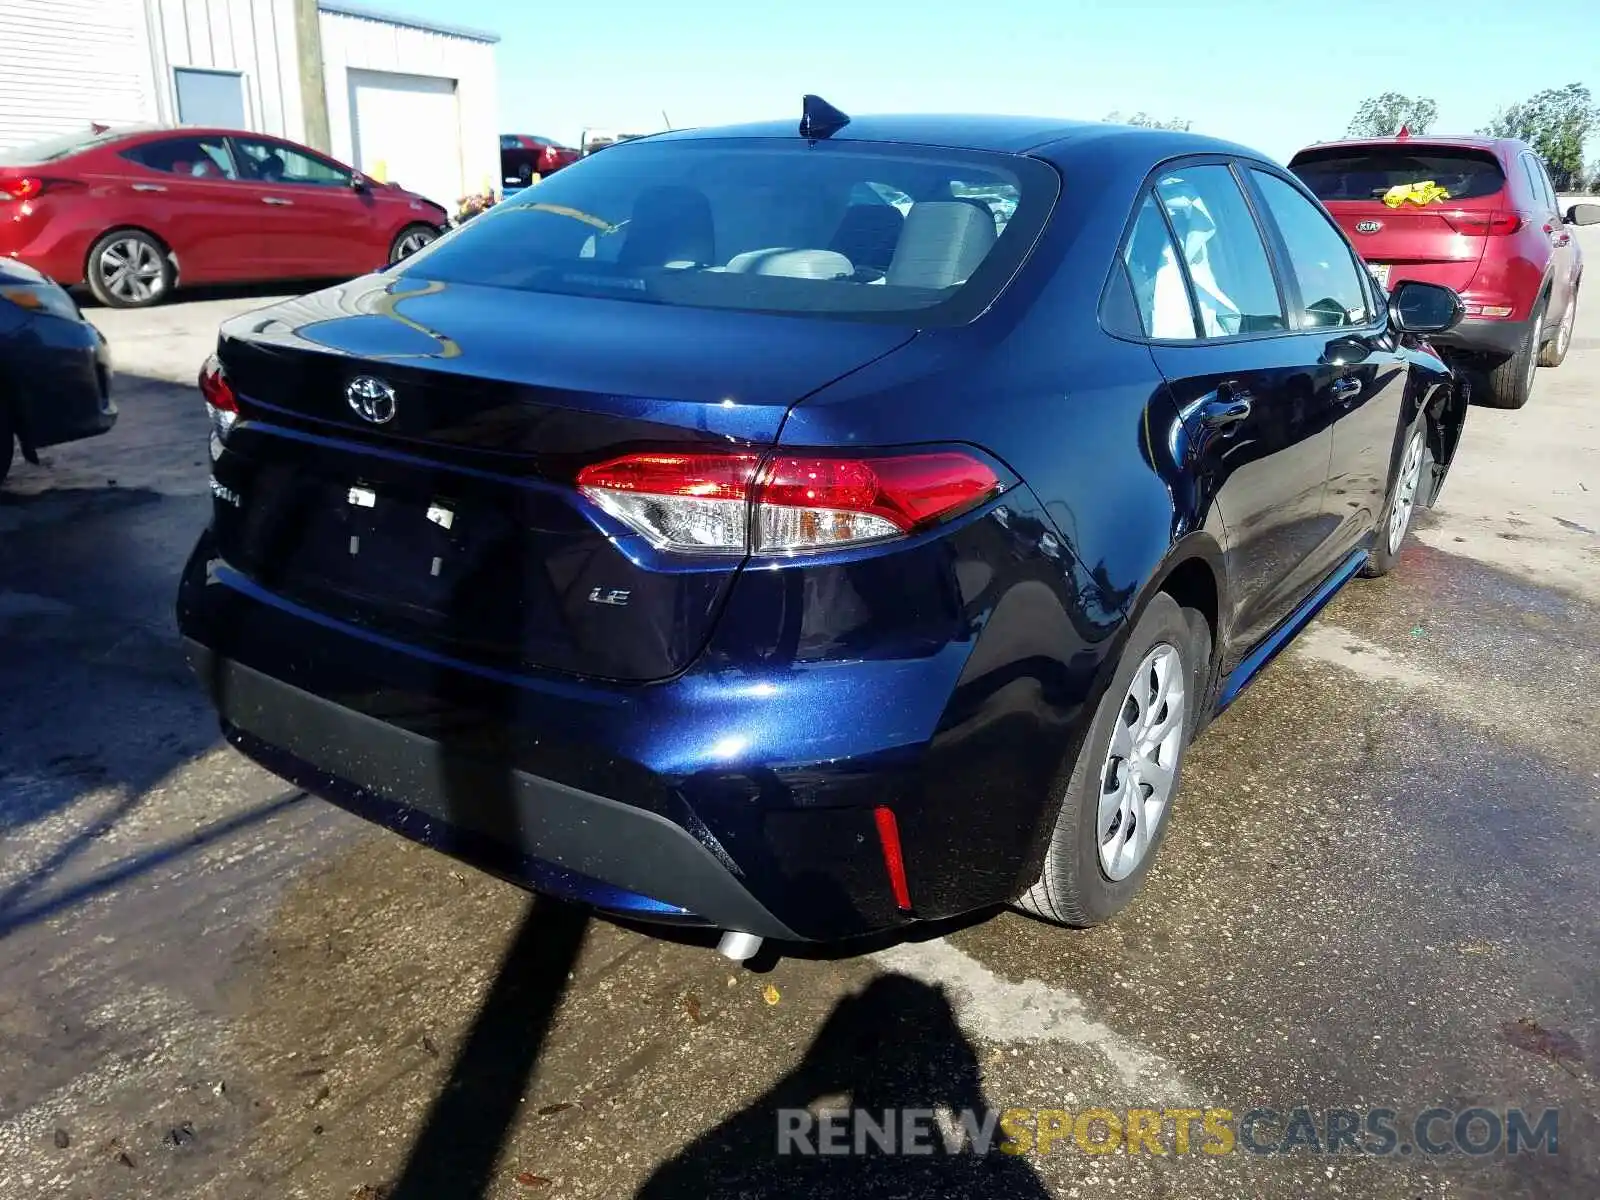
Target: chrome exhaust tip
739	947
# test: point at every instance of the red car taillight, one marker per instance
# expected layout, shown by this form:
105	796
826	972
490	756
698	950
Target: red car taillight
25	188
741	503
222	405
1480	224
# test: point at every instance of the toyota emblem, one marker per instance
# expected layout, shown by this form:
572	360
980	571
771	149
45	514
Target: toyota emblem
1368	226
372	399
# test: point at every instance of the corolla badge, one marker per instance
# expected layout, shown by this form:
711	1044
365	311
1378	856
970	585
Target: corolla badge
372	399
1368	226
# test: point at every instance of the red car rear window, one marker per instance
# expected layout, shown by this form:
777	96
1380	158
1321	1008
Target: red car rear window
1367	172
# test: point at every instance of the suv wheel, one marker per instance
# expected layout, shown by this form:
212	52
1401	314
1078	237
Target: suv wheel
1555	350
1117	796
1511	383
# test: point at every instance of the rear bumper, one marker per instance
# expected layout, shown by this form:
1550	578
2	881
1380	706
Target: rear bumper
533	831
1475	335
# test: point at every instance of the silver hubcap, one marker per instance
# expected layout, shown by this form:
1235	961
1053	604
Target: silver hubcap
1141	766
411	243
1405	492
131	270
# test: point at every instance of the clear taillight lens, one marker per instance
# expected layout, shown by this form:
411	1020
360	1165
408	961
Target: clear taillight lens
739	503
222	405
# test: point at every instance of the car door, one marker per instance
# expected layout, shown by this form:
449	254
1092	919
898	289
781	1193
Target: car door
186	190
314	222
1563	253
1244	385
1360	371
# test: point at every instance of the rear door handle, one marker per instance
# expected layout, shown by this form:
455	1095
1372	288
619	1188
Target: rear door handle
1346	388
276	201
148	187
1231	406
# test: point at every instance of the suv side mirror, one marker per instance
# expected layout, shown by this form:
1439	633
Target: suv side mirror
1417	307
1583	214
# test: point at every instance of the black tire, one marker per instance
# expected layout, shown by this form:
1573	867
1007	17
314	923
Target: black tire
405	242
1386	542
1554	352
150	254
1511	383
8	440
1073	887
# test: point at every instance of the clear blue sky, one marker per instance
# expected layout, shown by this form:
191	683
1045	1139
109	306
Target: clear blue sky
1273	74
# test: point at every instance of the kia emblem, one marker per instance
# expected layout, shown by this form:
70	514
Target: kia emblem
372	399
1368	226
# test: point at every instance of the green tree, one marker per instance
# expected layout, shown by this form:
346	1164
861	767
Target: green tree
1556	123
1382	116
1146	121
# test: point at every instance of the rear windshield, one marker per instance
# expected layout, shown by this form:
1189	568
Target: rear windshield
862	231
61	146
1368	173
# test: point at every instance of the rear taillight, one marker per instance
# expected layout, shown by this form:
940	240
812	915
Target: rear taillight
222	405
785	503
25	188
1481	224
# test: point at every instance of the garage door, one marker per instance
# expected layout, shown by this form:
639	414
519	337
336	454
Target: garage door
406	129
67	63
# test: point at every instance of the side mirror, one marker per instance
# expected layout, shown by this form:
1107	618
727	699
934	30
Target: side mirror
1583	214
358	183
1424	307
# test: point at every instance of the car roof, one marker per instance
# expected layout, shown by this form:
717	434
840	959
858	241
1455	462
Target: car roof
1438	141
978	131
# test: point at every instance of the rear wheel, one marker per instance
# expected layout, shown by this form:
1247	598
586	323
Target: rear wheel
130	269
8	440
1402	506
411	239
1511	383
1117	795
1555	350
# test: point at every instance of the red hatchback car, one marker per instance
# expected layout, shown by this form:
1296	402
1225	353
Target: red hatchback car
134	213
1497	237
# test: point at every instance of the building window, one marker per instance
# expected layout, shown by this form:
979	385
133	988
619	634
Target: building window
210	97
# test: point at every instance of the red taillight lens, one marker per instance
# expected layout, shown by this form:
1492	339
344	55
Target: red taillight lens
25	188
222	405
722	503
1481	224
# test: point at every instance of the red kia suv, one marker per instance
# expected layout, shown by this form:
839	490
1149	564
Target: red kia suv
132	213
1495	234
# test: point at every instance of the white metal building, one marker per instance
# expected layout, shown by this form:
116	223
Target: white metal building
405	100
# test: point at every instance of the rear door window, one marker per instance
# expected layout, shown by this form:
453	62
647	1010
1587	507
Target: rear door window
1151	261
1369	172
1331	291
1222	251
857	230
190	157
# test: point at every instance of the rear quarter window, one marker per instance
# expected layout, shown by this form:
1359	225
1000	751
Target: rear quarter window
1369	172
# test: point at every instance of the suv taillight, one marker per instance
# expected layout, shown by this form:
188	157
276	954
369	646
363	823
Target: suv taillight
1480	224
222	405
728	503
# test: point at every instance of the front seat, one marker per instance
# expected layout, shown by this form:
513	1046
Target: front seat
867	235
942	244
669	225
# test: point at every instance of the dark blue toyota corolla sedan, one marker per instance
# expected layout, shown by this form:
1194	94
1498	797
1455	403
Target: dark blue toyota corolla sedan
806	532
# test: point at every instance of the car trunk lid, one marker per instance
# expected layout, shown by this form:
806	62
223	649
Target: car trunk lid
435	503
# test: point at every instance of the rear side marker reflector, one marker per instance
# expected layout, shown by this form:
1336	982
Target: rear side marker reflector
739	503
894	862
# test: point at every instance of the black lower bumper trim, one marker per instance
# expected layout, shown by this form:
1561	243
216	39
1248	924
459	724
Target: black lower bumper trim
510	814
